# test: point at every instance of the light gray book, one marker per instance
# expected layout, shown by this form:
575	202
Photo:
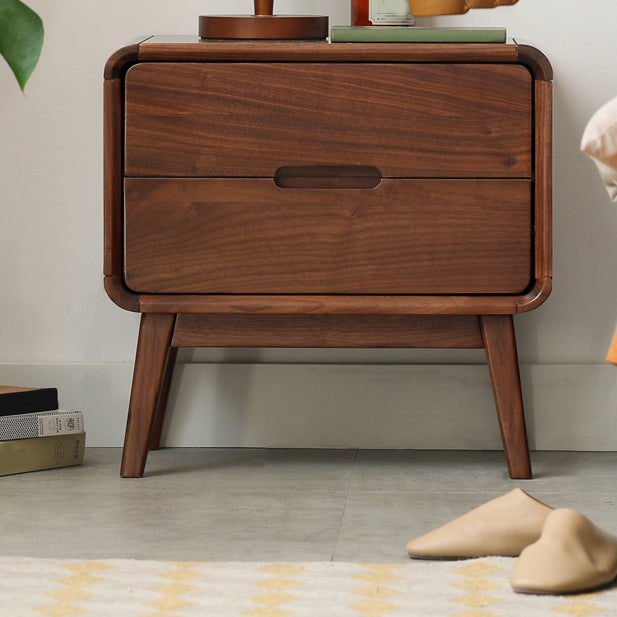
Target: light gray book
41	424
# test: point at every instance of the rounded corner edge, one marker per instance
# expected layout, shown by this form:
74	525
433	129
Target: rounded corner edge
121	60
536	296
120	294
539	65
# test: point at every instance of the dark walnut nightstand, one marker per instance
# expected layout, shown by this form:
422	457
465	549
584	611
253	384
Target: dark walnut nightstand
307	194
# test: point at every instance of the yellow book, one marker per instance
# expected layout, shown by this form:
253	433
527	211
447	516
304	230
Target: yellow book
34	454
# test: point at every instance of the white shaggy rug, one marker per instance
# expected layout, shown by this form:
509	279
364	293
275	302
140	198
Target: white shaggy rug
127	588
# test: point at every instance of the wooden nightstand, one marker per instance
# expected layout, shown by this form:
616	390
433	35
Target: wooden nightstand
307	194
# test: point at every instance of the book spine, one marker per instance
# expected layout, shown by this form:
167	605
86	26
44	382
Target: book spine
27	400
23	455
41	424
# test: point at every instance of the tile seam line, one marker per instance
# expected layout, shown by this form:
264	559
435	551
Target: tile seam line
340	527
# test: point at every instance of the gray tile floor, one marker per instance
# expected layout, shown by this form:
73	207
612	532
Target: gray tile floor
289	505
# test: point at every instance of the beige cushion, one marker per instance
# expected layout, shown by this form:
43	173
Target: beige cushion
600	143
609	177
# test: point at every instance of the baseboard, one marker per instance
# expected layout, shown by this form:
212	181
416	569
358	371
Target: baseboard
568	407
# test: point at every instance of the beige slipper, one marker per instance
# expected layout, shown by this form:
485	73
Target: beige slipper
502	527
571	556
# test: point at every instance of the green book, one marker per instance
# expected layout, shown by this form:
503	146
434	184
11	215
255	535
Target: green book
21	455
413	34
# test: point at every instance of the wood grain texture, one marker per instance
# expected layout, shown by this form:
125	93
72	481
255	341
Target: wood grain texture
120	295
329	305
155	334
534	297
325	305
161	402
112	174
228	233
341	331
121	60
500	346
250	119
248	236
543	197
534	60
181	48
273	27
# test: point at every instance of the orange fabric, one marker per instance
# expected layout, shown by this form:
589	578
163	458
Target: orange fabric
612	352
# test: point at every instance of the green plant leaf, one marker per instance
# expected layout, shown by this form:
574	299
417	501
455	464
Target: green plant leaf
21	38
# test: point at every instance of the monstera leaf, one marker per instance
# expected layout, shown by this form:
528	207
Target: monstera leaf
21	38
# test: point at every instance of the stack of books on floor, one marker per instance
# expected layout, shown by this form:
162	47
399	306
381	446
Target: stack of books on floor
35	434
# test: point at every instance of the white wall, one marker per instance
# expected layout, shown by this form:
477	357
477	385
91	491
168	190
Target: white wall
58	327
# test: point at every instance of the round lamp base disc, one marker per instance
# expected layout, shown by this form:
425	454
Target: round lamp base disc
263	27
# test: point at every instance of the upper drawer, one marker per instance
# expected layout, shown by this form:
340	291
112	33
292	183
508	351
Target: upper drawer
250	119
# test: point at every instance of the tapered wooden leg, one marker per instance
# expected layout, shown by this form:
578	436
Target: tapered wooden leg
155	334
161	405
500	345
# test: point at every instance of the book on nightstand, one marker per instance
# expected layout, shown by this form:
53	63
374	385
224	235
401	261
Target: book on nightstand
38	453
17	399
414	34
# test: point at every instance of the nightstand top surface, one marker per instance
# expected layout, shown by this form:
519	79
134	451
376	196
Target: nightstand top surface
187	48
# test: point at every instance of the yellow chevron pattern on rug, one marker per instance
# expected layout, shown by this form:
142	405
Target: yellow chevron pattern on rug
376	590
31	587
74	589
581	606
275	595
172	593
476	586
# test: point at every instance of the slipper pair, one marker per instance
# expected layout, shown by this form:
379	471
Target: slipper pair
559	551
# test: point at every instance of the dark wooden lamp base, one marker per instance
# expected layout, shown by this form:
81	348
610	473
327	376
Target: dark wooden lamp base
263	25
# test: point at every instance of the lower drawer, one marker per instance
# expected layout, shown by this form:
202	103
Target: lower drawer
405	236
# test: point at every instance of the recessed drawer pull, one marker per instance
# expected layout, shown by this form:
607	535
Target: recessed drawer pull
328	177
